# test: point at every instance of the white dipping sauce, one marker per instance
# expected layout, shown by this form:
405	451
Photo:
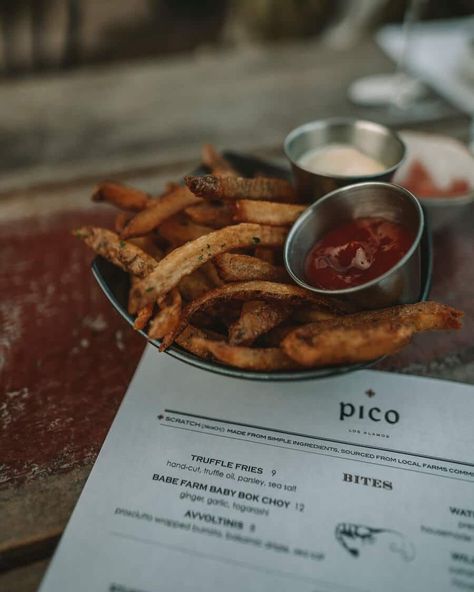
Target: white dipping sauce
340	159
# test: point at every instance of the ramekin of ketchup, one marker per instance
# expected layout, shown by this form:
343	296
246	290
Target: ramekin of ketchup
360	242
356	252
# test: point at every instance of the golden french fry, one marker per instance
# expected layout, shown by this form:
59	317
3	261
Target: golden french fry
239	268
143	316
366	335
248	358
216	162
135	297
266	212
349	344
265	254
421	316
288	294
174	201
120	221
313	315
179	230
257	317
194	285
167	317
192	255
232	188
122	253
211	214
148	244
122	196
211	273
187	340
275	336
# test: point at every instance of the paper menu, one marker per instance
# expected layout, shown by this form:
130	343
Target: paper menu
359	482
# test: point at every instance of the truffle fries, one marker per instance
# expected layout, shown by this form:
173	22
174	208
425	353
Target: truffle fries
122	196
287	294
221	293
211	213
174	201
216	162
366	335
257	318
192	255
232	188
266	212
119	252
248	358
238	268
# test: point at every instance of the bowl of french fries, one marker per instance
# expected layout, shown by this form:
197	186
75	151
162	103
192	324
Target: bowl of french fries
198	271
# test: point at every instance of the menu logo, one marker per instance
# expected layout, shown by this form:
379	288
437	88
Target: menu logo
348	410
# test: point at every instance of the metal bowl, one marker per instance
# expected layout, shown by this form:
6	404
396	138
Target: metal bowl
371	138
115	284
398	285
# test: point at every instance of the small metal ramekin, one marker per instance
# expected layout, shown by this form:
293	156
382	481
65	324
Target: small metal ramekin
401	283
373	139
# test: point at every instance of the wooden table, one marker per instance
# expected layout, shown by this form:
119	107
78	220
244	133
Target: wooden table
66	357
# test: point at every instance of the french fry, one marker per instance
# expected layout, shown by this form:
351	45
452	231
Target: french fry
349	344
194	285
239	268
120	221
148	244
216	162
232	188
136	302
257	317
122	253
265	254
266	212
224	313
167	317
122	196
366	335
172	202
287	294
275	336
248	358
211	273
211	214
143	316
192	255
313	315
135	295
179	230
421	316
188	341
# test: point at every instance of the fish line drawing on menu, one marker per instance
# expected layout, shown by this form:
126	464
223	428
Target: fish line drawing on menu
353	537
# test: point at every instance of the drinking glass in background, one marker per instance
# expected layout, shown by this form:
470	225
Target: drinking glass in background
400	90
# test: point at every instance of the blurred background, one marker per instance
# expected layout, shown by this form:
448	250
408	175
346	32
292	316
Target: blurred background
91	87
39	35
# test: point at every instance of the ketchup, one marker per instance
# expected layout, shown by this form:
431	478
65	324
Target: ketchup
356	252
420	182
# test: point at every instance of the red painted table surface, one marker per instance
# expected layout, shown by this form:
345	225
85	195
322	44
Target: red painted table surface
67	356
